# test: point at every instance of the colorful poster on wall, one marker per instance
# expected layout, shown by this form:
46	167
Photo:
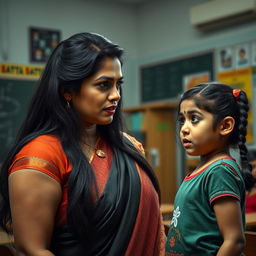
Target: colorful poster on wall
242	56
241	79
191	80
225	59
42	43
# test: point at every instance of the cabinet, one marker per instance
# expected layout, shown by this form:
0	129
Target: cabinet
157	124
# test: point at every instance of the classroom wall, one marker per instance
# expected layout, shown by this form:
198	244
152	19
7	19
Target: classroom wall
149	32
115	21
164	31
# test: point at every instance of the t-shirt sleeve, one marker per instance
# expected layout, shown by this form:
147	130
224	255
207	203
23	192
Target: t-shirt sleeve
43	154
222	181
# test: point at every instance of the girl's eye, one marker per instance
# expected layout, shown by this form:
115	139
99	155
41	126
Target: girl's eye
194	119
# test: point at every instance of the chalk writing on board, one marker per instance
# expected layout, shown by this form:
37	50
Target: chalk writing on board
9	109
15	95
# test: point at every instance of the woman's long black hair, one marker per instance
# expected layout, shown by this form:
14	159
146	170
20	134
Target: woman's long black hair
219	100
73	60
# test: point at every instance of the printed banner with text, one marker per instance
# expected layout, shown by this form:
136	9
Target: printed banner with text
34	71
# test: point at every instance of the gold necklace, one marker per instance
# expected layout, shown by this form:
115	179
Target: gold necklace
99	152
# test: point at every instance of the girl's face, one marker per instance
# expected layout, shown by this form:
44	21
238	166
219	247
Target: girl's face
197	133
99	94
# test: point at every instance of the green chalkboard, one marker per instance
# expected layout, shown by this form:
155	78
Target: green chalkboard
165	80
15	97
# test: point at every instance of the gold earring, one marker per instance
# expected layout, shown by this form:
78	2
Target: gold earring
68	104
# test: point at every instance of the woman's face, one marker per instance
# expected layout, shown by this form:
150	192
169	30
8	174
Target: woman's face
99	94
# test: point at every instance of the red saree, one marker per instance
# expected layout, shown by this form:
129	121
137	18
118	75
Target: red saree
45	154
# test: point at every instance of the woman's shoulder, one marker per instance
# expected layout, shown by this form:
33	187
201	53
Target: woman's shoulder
47	138
135	142
43	153
44	146
44	142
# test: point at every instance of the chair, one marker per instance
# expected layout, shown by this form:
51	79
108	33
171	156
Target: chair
250	248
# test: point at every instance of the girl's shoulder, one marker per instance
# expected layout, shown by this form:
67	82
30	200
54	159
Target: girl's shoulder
227	164
230	162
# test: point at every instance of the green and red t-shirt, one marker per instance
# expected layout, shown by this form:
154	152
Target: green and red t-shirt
194	229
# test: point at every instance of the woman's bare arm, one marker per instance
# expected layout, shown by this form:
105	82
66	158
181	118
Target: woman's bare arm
228	214
34	199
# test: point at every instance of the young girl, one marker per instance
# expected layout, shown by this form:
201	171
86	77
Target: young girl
209	206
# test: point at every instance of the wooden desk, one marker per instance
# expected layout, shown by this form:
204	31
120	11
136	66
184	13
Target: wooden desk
250	219
5	239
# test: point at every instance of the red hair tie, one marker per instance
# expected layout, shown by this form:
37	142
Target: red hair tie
236	93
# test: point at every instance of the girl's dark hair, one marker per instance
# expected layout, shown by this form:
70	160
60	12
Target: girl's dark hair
73	60
218	99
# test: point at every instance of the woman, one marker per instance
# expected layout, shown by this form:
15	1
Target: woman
74	183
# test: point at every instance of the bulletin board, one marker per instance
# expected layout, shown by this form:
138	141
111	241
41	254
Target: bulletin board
165	80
